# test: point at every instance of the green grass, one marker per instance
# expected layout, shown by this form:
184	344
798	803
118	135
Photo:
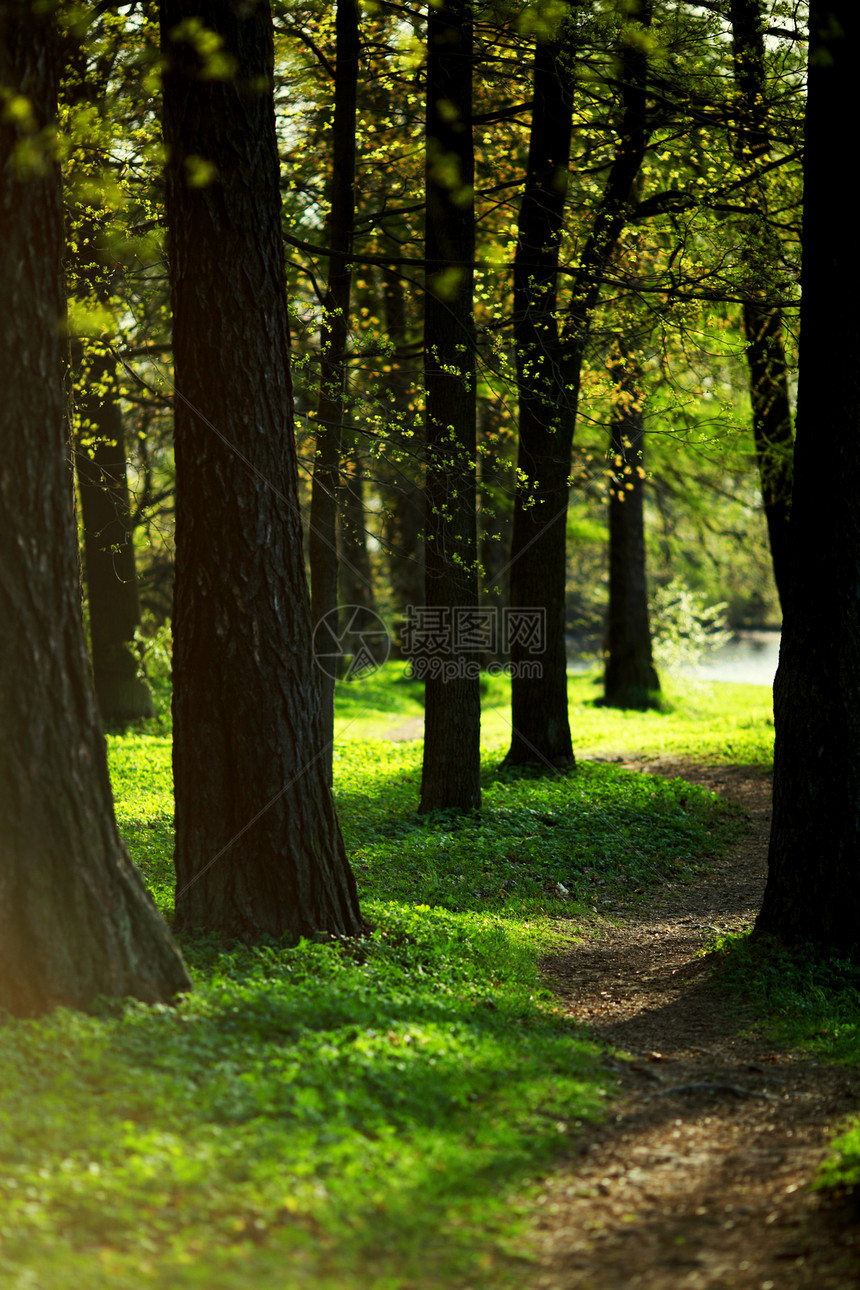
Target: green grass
306	1116
598	832
711	722
707	721
359	1116
809	1002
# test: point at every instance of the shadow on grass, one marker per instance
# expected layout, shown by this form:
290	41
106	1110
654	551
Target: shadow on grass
804	997
383	1097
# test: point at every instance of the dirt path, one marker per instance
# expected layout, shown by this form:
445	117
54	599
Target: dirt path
701	1179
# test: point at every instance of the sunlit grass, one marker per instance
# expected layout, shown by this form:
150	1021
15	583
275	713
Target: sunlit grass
359	1116
709	721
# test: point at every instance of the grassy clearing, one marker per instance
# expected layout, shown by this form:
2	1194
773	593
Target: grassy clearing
711	722
706	721
806	1001
343	1116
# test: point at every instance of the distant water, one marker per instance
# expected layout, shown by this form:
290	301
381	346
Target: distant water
749	658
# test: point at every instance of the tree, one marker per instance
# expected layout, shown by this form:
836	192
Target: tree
494	509
404	521
452	733
762	319
360	628
110	571
258	847
541	731
813	885
322	535
75	918
109	559
631	679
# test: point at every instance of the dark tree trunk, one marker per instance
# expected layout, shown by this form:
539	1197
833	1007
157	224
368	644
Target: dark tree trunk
357	574
322	531
75	918
631	680
549	371
813	886
404	526
541	731
109	563
452	731
771	409
404	532
361	629
772	430
258	848
110	571
496	486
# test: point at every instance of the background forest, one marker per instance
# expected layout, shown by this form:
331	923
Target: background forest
706	248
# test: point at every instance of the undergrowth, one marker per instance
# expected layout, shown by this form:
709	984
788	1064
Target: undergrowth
360	1115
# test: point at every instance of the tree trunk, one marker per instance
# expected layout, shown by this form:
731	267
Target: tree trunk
452	732
494	515
541	731
404	525
322	531
362	634
549	373
258	848
76	921
771	409
631	680
404	533
813	886
357	574
109	562
772	430
110	571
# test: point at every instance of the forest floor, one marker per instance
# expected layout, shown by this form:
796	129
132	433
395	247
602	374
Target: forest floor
702	1176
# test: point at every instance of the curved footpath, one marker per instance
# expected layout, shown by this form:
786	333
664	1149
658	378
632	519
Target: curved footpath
701	1179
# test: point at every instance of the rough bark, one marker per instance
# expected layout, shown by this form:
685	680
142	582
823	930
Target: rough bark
76	921
813	887
258	848
322	529
763	325
109	563
630	679
452	732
